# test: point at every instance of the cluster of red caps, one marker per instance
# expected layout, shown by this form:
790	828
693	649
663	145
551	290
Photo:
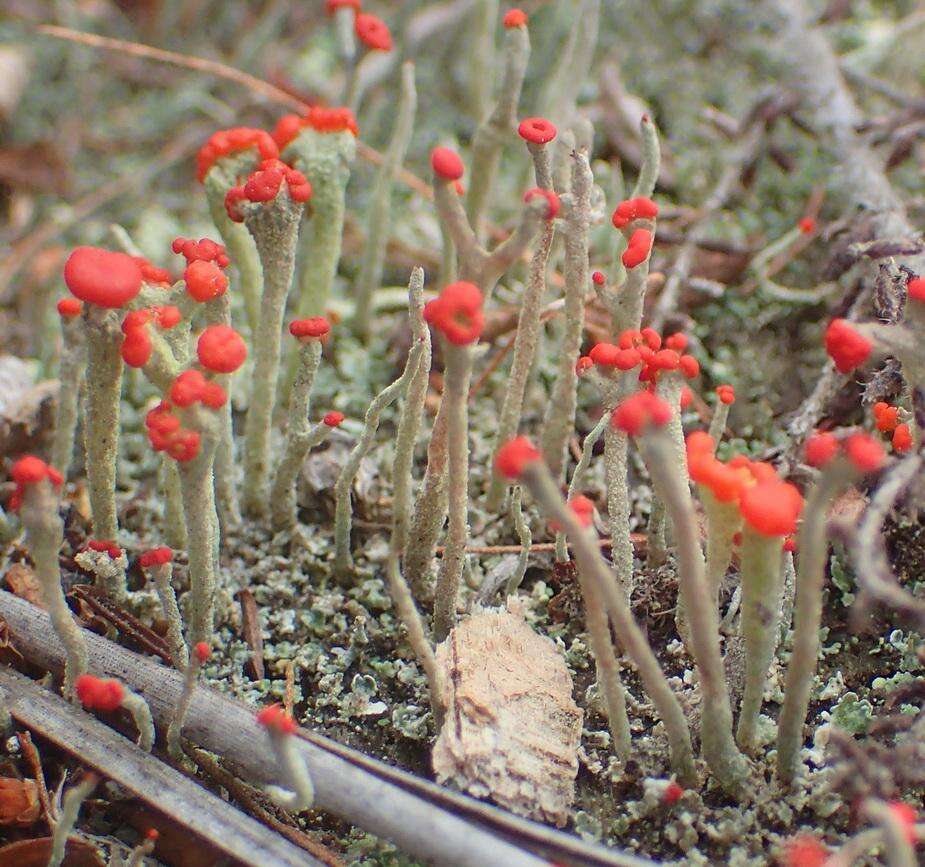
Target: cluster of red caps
166	434
862	451
97	693
886	418
275	718
205	261
30	470
159	556
639	243
136	347
264	184
768	504
319	118
104	546
230	141
457	313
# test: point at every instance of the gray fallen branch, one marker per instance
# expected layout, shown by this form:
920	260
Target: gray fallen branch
169	792
420	817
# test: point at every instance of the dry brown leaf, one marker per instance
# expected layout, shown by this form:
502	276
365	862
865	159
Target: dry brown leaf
35	853
19	802
20	578
25	409
512	728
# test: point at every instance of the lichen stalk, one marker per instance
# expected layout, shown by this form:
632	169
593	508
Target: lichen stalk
458	371
101	417
162	575
173	521
325	159
70	808
379	221
524	536
560	416
298	792
718	423
175	726
237	240
526	337
275	229
760	562
72	366
141	716
593	570
343	560
44	536
717	744
409	422
494	132
578	474
807	618
283	506
651	159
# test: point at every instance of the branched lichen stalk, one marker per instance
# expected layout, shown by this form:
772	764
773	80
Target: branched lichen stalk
761	597
526	337
807	617
380	207
593	570
496	130
458	371
298	438
409	421
275	228
101	416
44	536
343	560
718	746
72	367
560	417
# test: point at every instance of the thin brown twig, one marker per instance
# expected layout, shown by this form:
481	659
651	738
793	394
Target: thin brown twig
638	539
35	765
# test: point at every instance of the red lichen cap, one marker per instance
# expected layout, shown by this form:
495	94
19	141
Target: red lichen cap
537	130
228	141
327	119
104	546
276	719
95	693
514	18
514	456
551	198
771	507
807	225
864	452
820	448
915	289
886	417
102	277
640	411
726	394
641	208
221	349
30	470
446	164
204	280
204	249
457	312
907	816
331	6
151	273
804	850
598	278
673	793
373	32
192	387
202	651
156	557
689	366
167	317
333	418
315	326
69	308
583	508
638	248
902	439
608	355
847	348
677	341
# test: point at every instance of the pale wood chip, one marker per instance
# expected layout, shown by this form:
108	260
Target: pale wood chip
512	728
